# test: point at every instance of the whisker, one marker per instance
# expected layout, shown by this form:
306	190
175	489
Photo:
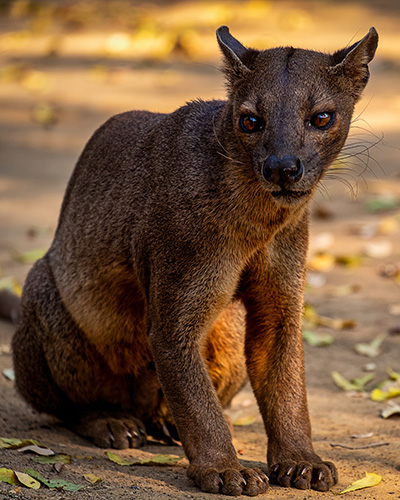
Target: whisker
355	159
324	191
223	148
229	158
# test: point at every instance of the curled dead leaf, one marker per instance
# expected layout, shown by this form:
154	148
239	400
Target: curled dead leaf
391	409
316	339
39	450
370	479
371	349
244	421
356	384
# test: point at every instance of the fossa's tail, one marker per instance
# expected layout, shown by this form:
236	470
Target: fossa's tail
10	305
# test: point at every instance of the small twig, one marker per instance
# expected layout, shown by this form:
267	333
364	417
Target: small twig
372	445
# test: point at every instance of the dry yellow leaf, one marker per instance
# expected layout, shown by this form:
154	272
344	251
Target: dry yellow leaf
370	479
323	262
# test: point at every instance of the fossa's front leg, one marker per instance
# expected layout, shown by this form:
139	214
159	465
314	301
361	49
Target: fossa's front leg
180	319
273	291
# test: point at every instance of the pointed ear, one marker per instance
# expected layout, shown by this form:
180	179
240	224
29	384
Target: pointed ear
352	62
235	54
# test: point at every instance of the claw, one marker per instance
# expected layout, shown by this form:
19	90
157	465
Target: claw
290	471
304	470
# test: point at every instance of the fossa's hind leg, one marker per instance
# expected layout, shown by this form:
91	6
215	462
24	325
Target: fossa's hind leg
224	353
60	373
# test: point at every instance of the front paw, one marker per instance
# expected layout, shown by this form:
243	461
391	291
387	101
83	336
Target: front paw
233	482
320	476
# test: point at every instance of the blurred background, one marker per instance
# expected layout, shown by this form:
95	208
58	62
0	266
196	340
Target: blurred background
66	66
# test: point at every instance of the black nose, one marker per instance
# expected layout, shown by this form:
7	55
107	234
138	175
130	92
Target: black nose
285	171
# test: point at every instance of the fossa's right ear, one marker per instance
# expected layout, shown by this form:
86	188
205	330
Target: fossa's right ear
235	54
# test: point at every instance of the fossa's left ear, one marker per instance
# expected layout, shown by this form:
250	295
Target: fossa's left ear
352	62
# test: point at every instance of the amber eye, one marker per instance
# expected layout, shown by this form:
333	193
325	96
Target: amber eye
322	120
250	124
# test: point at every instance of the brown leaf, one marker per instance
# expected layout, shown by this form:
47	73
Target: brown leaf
39	450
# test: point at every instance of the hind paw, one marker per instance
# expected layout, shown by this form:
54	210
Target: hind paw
111	431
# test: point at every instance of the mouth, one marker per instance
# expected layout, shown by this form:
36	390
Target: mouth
290	195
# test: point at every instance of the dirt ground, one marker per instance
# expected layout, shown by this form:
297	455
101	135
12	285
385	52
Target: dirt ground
58	82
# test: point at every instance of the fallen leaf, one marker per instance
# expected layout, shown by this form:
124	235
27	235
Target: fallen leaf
370	367
349	261
357	384
57	467
390	410
369	480
365	230
370	349
336	323
92	479
11	284
30	257
39	450
9	374
314	319
382	203
378	249
315	339
316	280
393	375
55	483
14	443
159	460
154	460
323	212
379	394
388	225
342	382
8	476
5	349
27	480
364	447
321	243
118	460
362	436
54	459
391	270
323	262
244	421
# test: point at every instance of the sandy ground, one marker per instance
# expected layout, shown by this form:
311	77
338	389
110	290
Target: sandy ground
84	84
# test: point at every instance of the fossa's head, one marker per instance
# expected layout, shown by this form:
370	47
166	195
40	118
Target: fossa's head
291	109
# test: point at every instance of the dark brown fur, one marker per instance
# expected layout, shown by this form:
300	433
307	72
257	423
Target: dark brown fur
177	264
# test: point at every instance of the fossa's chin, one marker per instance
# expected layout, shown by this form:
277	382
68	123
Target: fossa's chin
291	196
